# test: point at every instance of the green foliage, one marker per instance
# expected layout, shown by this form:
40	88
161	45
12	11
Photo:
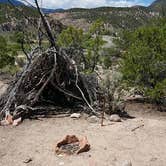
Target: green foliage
94	43
10	69
71	37
86	46
110	56
158	92
119	18
18	37
97	27
144	61
6	58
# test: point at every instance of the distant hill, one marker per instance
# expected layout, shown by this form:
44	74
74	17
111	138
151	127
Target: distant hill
116	17
160	6
19	3
13	20
47	11
159	3
9	13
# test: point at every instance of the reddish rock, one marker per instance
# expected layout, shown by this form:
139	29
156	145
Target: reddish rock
71	140
68	140
16	122
9	119
84	145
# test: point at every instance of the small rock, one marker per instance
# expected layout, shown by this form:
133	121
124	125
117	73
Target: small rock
93	119
28	160
61	163
17	122
75	115
84	145
9	118
115	118
127	163
153	159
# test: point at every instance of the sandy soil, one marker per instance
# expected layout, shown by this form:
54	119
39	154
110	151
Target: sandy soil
111	145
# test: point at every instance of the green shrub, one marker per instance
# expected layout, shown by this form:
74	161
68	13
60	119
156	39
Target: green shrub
144	61
85	48
6	58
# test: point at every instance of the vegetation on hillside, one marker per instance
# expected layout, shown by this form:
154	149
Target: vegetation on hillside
9	13
7	56
11	53
159	6
144	61
123	18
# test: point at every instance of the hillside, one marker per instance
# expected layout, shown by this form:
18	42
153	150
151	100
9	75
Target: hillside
114	17
123	18
159	6
12	19
8	13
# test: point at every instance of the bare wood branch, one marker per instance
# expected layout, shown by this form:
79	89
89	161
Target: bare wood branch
48	79
39	33
29	58
82	94
142	125
66	92
46	26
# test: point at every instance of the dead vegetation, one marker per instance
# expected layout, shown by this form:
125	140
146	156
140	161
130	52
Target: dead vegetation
49	80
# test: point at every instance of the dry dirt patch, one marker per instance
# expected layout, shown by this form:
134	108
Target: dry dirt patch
111	145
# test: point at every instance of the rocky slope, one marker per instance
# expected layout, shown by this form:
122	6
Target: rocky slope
115	18
118	18
122	18
12	19
159	6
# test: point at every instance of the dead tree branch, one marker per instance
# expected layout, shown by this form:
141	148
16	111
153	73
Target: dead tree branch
51	76
46	26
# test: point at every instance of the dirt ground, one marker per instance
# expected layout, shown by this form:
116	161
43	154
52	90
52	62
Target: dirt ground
111	145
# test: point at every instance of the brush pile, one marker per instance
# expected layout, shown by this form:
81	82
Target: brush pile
50	82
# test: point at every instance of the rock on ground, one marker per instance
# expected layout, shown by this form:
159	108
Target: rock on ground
115	118
75	115
127	163
93	119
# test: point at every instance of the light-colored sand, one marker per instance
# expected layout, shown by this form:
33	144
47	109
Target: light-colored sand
111	145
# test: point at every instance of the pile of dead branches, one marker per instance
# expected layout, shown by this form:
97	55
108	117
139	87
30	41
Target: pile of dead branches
49	80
